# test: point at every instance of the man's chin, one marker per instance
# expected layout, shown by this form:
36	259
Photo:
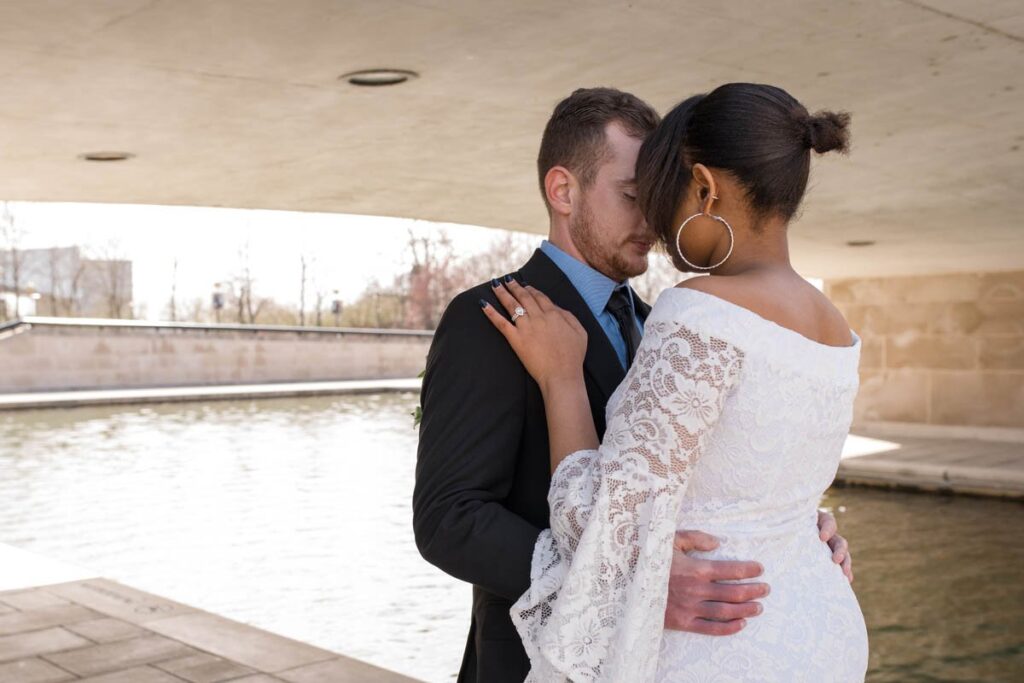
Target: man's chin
634	267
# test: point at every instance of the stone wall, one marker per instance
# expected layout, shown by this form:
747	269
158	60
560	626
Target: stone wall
942	350
44	354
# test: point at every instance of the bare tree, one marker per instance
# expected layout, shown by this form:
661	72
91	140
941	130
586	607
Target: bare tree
111	275
319	311
173	304
11	266
248	305
304	263
417	298
194	309
433	279
74	291
56	279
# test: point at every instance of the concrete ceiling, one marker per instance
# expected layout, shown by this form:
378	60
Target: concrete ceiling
237	103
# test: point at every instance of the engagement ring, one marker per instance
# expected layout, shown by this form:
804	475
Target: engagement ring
518	313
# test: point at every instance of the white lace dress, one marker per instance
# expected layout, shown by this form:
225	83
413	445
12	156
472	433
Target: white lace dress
726	423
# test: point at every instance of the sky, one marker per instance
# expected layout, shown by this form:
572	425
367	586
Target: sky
349	250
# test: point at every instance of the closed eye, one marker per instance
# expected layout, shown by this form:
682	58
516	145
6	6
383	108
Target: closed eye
628	196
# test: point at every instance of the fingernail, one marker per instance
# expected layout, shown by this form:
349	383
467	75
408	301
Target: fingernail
760	609
508	278
483	303
495	282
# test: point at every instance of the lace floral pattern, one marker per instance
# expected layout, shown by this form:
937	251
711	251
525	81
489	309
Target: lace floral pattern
765	413
596	606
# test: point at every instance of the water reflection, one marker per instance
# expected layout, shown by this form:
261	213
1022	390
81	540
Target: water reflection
293	515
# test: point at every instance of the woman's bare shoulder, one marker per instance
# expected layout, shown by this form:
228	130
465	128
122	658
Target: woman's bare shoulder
734	289
799	306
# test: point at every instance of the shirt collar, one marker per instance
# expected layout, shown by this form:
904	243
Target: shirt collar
594	286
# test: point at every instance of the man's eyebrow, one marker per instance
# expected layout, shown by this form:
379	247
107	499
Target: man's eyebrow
627	181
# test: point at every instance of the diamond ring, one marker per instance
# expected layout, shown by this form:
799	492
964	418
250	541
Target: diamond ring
518	313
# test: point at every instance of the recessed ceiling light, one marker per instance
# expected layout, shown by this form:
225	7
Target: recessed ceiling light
860	243
106	156
375	78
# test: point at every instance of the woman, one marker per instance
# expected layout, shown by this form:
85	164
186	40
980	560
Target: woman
731	418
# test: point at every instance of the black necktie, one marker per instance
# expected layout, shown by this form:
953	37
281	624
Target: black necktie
619	305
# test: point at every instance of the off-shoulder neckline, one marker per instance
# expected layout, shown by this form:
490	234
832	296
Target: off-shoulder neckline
771	323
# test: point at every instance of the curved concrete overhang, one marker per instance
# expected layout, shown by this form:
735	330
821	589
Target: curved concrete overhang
238	103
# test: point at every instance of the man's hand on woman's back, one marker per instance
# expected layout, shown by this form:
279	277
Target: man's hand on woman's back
699	603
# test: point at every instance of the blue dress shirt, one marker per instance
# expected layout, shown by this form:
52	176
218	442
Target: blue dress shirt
596	289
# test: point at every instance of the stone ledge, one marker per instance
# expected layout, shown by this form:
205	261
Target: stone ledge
99	631
219	392
989	468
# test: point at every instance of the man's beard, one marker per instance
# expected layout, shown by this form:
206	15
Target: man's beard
583	232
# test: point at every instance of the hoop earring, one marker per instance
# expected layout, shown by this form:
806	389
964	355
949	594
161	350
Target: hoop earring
732	241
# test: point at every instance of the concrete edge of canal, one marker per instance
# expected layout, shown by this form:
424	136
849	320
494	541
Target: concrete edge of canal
219	392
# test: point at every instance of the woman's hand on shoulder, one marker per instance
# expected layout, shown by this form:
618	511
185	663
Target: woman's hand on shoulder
550	341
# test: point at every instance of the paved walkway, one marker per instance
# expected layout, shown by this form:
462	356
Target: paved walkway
70	399
99	631
989	468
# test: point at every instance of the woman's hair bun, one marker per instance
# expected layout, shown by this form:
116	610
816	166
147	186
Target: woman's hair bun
827	131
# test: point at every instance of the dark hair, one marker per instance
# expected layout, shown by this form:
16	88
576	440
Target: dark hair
575	134
758	133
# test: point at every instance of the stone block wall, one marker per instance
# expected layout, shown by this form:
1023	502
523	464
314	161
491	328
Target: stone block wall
943	350
50	354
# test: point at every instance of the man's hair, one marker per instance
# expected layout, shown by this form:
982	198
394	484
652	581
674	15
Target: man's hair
575	134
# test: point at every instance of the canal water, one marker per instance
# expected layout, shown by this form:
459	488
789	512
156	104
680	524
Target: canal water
294	516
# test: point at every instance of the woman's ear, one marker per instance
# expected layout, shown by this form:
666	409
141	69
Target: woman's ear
707	189
558	182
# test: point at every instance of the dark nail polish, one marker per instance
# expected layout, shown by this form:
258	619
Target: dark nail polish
495	282
508	278
483	303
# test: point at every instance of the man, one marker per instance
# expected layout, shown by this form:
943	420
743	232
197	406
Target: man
482	472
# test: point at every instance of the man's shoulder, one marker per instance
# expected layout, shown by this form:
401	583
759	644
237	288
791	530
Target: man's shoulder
463	316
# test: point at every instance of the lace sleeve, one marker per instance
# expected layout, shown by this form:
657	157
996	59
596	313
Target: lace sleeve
599	579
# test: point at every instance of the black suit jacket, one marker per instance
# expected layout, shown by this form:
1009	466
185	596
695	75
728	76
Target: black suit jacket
483	465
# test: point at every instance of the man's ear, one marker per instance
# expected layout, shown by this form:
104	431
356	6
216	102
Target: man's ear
558	185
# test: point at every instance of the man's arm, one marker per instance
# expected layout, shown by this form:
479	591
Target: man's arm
474	402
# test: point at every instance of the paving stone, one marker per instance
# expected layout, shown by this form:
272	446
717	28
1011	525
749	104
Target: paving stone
342	670
204	668
258	678
970	466
263	651
97	659
43	617
116	600
6	609
32	671
106	629
31	599
140	674
22	645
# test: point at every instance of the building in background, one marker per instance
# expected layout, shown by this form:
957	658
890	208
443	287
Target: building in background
62	281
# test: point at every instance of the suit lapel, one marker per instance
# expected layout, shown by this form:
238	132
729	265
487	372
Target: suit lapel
601	362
